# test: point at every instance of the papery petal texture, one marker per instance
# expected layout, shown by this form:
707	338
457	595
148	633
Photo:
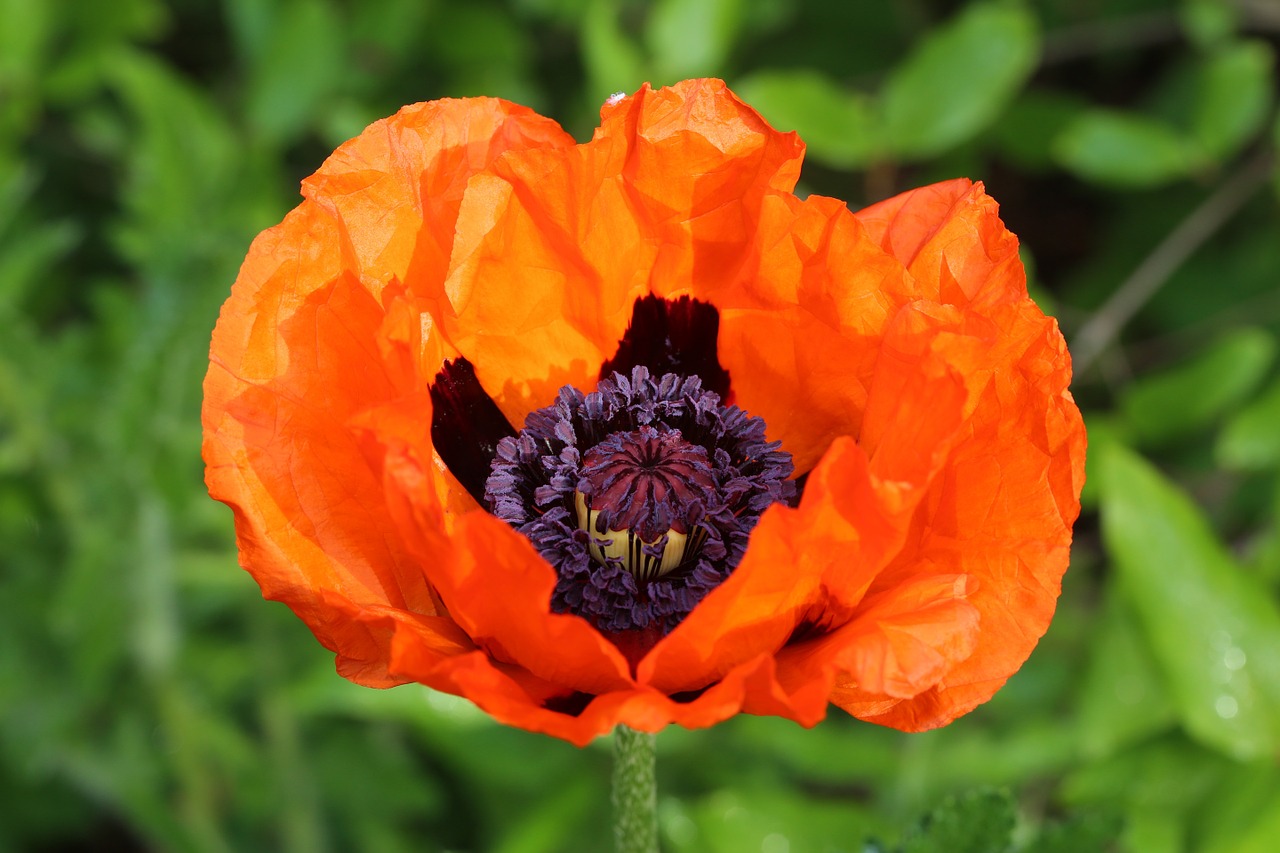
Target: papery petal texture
893	352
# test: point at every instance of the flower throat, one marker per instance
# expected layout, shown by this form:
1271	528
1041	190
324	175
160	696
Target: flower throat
642	493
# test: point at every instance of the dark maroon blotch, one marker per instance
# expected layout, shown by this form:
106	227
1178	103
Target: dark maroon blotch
672	336
466	425
573	704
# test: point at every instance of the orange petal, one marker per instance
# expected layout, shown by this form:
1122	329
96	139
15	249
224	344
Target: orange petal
951	239
372	633
1002	511
805	568
395	189
902	643
801	338
296	363
555	246
924	559
519	701
409	336
308	510
498	589
778	584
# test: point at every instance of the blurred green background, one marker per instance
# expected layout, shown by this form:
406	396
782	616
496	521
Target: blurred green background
149	700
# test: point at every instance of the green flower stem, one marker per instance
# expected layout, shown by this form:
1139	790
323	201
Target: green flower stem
635	791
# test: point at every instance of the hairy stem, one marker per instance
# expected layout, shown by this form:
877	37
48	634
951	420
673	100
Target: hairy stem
635	791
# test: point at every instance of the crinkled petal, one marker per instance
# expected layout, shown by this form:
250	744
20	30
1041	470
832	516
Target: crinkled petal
498	589
394	191
751	687
307	508
893	352
371	633
1002	510
555	246
806	569
950	237
297	364
801	335
901	644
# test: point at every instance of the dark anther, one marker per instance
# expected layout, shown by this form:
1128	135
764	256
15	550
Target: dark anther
672	336
466	425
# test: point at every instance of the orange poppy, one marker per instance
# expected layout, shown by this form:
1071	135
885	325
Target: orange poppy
626	432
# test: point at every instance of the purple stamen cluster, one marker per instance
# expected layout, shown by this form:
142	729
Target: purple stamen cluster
648	459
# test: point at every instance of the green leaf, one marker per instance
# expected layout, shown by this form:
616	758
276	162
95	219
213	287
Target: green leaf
367	27
959	79
1263	554
1123	150
1275	145
1234	91
1153	831
183	169
1258	836
1123	698
557	819
1243	814
613	60
24	39
1026	132
1091	831
975	822
24	44
1155	786
27	250
1187	398
691	38
1212	628
486	50
1251	439
1102	428
301	66
1208	22
837	126
764	818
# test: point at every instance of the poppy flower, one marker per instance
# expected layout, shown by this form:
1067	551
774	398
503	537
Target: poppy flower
625	432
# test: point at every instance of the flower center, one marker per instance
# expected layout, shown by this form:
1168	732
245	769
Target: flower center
641	494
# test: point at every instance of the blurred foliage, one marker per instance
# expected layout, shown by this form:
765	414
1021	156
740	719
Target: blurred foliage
150	701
